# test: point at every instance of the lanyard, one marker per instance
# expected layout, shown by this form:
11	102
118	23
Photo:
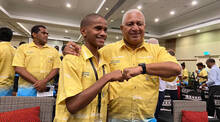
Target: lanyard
97	78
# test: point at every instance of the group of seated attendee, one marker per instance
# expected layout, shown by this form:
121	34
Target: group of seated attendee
114	83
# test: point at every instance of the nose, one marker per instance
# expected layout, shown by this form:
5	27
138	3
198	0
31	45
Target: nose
135	27
103	33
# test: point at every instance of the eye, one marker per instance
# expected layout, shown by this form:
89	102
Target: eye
98	27
130	24
140	23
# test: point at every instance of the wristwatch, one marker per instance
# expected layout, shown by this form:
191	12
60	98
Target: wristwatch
143	68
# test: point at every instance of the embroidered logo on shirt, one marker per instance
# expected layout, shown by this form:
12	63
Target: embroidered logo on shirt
85	74
29	52
118	57
115	61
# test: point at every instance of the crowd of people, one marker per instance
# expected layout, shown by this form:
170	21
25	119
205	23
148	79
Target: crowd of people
115	83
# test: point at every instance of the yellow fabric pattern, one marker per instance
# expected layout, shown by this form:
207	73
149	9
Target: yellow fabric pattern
203	73
137	98
37	61
6	70
76	75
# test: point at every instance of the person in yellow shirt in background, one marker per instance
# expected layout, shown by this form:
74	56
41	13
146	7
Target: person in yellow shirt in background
6	58
36	63
184	76
136	99
83	90
202	74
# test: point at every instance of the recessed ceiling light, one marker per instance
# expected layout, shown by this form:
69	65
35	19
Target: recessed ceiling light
122	11
68	5
29	0
112	20
179	35
172	12
117	37
197	31
156	20
139	7
66	31
194	2
106	9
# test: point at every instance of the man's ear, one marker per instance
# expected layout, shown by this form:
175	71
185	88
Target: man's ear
121	27
83	31
34	35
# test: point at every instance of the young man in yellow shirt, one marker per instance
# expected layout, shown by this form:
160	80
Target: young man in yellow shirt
136	99
6	58
83	84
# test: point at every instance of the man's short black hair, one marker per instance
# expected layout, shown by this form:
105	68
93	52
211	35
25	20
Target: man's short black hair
183	64
63	47
88	19
210	60
171	52
36	29
199	64
6	34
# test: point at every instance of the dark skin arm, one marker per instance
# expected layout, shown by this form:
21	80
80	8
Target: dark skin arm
81	100
25	74
165	69
40	85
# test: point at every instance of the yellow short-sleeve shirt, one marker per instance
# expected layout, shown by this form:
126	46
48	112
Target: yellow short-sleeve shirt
203	73
137	98
6	69
37	61
76	75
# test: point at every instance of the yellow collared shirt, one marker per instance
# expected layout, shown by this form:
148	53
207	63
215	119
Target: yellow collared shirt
76	75
137	98
37	61
203	73
6	69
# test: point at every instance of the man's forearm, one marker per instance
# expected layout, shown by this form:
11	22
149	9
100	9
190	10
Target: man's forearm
25	74
51	75
82	99
166	69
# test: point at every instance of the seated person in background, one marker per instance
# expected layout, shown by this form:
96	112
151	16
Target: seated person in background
6	58
36	63
201	73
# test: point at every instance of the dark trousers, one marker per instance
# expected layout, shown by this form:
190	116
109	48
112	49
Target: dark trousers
159	103
173	95
213	90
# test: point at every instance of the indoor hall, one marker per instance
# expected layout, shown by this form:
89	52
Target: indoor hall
184	32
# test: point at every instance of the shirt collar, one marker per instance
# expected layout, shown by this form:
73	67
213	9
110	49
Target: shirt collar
32	44
85	52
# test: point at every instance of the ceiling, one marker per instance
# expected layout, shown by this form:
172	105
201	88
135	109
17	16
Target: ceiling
21	15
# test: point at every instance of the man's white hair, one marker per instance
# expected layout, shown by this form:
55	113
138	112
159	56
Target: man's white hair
153	41
130	11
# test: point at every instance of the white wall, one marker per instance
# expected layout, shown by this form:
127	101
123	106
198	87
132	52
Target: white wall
195	45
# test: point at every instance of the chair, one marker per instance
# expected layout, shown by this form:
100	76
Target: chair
10	103
179	105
